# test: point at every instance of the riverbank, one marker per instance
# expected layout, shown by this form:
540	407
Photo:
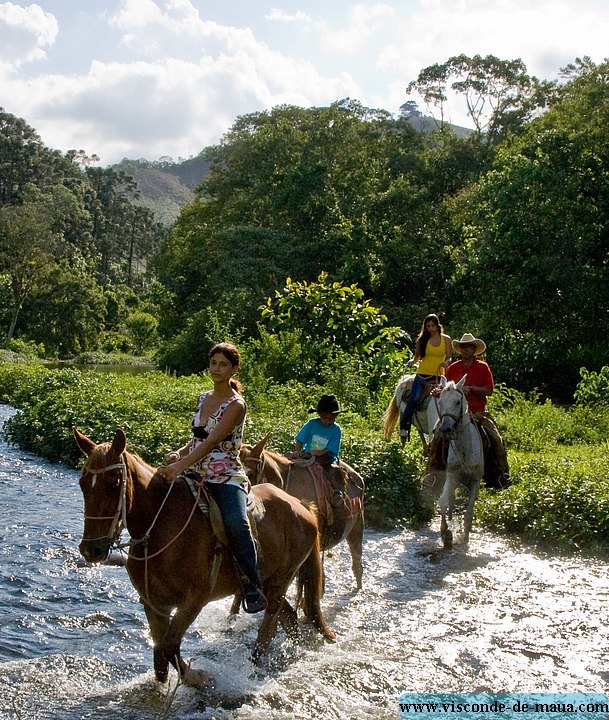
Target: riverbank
560	490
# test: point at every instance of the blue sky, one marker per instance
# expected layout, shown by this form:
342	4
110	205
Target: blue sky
152	78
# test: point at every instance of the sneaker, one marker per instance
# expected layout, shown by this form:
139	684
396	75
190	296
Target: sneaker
254	600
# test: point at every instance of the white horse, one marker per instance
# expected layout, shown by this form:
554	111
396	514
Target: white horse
424	418
465	460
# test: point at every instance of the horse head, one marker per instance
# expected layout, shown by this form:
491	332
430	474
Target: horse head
452	407
253	460
103	482
263	466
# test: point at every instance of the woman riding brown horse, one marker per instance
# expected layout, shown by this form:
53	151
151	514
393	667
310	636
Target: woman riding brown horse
176	562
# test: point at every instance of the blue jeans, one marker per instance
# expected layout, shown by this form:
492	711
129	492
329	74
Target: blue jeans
232	503
413	400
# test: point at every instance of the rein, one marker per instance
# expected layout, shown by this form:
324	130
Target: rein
120	518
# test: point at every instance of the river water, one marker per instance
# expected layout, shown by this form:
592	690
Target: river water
497	618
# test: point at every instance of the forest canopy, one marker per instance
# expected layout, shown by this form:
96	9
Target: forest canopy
503	232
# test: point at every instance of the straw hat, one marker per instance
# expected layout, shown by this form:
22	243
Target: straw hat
469	339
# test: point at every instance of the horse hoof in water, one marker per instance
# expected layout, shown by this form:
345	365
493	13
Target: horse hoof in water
197	679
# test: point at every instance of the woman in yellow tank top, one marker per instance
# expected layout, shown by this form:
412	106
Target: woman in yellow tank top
432	352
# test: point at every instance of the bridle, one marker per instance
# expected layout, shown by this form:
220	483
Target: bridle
457	418
119	519
256	466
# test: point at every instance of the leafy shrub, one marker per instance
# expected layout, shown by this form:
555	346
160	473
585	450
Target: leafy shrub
142	328
557	500
186	351
278	357
154	410
593	388
392	479
560	491
535	426
27	348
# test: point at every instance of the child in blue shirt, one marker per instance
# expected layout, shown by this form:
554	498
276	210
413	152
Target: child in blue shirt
321	436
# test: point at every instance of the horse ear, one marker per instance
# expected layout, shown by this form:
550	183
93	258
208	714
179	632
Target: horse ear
259	447
461	383
84	443
119	443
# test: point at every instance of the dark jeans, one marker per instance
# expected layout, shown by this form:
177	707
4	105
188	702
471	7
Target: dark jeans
413	399
232	503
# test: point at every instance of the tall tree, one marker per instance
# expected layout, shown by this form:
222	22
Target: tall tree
499	94
28	243
537	228
66	311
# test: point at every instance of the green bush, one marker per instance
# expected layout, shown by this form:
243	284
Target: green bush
560	490
558	500
593	388
155	409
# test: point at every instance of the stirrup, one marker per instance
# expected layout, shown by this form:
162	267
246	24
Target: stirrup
254	600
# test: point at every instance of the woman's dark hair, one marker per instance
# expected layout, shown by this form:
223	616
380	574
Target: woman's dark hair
231	353
421	343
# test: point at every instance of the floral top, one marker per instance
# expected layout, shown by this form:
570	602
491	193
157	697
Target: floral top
222	464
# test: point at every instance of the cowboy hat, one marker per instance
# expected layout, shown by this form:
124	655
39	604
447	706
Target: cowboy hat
469	339
327	403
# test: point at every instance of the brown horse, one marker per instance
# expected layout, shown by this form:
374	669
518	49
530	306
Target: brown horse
173	546
339	499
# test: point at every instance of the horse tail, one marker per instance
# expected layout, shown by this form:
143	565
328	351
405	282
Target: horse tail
310	590
390	418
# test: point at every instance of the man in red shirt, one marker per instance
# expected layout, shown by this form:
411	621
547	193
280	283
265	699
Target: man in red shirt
479	384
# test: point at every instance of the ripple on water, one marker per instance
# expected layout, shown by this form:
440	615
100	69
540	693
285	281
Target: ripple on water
497	617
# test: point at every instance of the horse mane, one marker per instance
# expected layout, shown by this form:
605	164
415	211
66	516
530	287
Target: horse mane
277	457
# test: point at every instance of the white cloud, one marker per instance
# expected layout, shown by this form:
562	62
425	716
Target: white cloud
25	32
365	21
545	34
177	107
178	80
277	15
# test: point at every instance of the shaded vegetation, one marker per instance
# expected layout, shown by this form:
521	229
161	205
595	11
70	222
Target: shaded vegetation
560	485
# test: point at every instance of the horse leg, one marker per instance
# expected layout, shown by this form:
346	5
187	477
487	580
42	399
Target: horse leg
446	502
469	510
235	607
289	620
268	627
183	617
355	542
158	625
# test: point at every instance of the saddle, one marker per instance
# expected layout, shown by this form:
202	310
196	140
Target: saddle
208	506
328	496
495	472
429	385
